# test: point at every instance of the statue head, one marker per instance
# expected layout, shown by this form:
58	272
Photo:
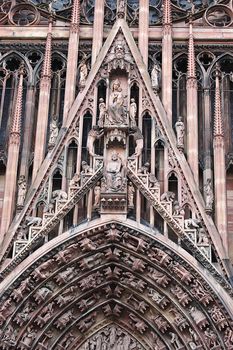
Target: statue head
132	100
101	100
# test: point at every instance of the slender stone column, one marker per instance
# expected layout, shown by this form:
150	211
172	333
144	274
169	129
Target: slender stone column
72	59
26	150
98	29
167	59
12	160
219	167
43	108
207	174
143	29
192	108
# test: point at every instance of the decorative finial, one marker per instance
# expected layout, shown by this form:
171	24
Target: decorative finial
218	123
191	53
16	121
46	72
75	20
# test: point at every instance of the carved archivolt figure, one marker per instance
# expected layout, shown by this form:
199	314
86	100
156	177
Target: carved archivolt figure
155	76
53	132
94	133
133	112
117	112
113	173
22	189
180	132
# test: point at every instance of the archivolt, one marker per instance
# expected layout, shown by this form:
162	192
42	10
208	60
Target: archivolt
113	273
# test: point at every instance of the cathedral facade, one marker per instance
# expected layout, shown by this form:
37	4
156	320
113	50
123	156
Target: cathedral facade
116	174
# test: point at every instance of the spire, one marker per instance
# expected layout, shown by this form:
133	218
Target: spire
218	125
16	122
167	19
75	20
46	72
191	54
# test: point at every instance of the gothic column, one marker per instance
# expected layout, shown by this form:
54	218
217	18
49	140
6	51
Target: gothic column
167	59
98	29
28	125
219	166
192	108
143	29
43	108
72	59
9	199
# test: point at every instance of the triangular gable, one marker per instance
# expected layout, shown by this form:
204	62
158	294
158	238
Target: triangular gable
162	121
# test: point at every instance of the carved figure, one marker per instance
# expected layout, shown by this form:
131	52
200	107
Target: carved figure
131	192
97	193
86	169
138	138
133	112
53	131
181	295
117	111
191	223
202	237
65	276
59	195
175	341
167	196
155	76
177	209
28	338
137	323
228	338
103	112
33	221
211	338
43	271
94	134
75	180
22	189
179	126
113	173
144	169
64	319
83	72
159	277
209	196
41	294
198	316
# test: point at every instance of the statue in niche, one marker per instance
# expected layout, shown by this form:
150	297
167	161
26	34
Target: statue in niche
138	138
209	196
94	133
117	112
53	131
113	173
22	189
97	191
179	126
131	192
155	76
133	112
103	112
83	72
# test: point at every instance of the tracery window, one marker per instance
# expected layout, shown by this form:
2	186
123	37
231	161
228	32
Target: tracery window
110	11
155	12
133	12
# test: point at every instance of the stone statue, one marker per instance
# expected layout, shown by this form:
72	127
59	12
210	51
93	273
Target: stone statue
175	341
179	126
113	173
202	237
133	112
155	76
22	189
209	196
97	191
53	132
94	133
131	192
103	111
138	138
117	112
83	72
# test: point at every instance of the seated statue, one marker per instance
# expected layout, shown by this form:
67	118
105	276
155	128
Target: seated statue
117	114
113	173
